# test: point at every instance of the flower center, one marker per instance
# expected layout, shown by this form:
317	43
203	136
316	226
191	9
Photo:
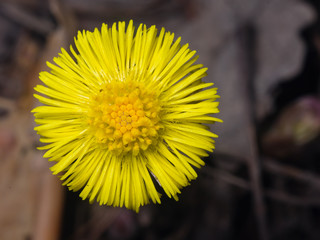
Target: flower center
125	117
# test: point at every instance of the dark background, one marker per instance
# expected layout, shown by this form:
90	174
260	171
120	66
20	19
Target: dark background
262	181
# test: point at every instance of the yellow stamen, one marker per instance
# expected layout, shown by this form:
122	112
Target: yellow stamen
123	121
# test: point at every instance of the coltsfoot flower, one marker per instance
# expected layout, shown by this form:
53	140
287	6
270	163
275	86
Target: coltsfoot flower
124	111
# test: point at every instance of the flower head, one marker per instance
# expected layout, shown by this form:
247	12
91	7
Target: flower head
124	111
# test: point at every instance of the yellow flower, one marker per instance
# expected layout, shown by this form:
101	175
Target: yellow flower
123	111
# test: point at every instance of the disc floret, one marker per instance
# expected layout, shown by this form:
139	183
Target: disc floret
125	117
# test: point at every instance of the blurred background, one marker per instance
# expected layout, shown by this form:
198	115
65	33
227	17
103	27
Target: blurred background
262	181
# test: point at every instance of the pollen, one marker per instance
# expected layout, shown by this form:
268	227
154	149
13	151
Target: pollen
125	117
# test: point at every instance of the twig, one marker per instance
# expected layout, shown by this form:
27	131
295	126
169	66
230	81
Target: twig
26	19
65	17
97	224
48	221
271	166
49	218
292	172
270	193
289	198
249	41
227	177
88	9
